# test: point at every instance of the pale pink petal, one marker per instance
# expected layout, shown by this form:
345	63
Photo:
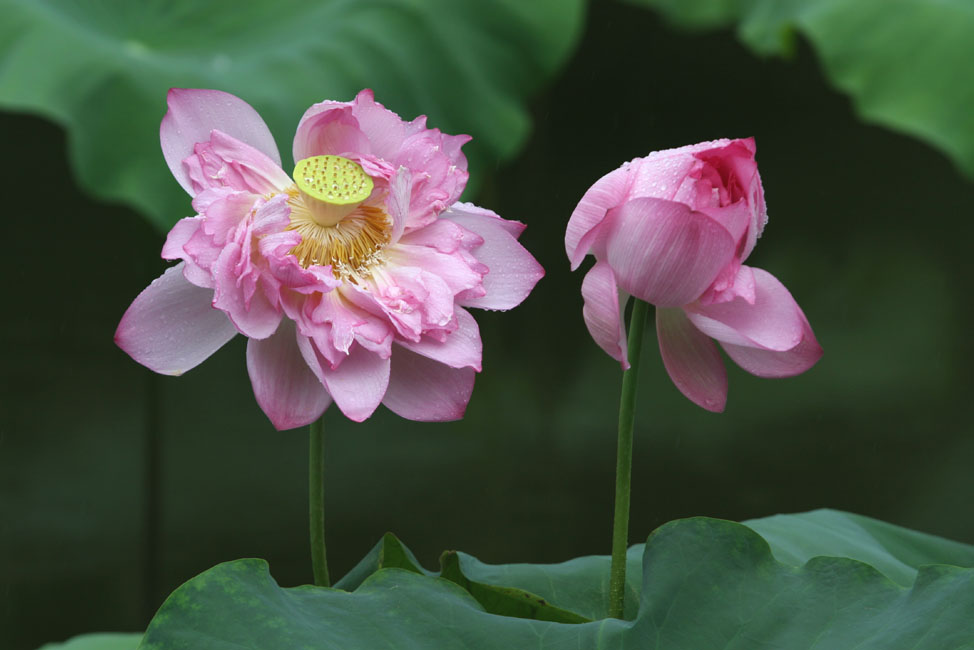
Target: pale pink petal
452	268
193	114
730	286
773	321
425	390
400	189
249	168
663	175
384	129
692	360
444	236
607	193
358	384
172	326
178	236
225	211
329	128
774	364
461	349
285	387
512	271
602	312
514	228
176	248
665	253
335	323
240	295
438	180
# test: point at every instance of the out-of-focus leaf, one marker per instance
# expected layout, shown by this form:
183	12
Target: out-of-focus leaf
906	64
706	583
101	69
895	551
104	641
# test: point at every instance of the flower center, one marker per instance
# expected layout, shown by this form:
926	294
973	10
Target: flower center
336	229
331	187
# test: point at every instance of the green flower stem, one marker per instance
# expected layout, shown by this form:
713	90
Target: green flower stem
316	502
627	416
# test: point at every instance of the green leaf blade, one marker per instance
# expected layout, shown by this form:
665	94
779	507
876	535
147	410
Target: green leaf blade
102	71
904	63
706	584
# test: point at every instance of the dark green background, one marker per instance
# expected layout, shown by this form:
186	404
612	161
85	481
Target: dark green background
117	485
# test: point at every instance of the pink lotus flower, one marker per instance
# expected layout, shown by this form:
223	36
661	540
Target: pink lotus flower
350	279
674	229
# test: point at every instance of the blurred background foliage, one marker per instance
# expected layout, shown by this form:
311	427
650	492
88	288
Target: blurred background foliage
117	485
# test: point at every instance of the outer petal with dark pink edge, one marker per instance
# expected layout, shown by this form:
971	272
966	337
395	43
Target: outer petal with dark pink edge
172	326
285	388
692	360
602	312
425	390
512	273
193	114
772	322
583	226
665	253
774	364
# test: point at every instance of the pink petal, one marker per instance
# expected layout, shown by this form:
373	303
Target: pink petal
607	193
329	128
461	349
225	161
772	322
285	388
172	326
514	228
444	236
665	253
239	292
180	233
665	175
175	248
193	114
400	189
359	383
774	364
384	129
692	360
602	312
513	272
451	267
423	389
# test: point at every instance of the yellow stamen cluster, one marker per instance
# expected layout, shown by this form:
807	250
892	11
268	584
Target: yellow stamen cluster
351	247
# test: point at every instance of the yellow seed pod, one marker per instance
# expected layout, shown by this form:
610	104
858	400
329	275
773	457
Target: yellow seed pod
332	186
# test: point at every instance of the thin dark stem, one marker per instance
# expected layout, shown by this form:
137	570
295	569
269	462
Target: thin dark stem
316	502
627	415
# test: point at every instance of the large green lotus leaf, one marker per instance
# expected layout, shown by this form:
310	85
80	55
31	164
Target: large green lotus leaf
495	598
102	69
895	551
706	583
581	585
906	64
105	641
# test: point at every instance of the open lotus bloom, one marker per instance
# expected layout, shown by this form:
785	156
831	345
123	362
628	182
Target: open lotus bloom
674	229
350	277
